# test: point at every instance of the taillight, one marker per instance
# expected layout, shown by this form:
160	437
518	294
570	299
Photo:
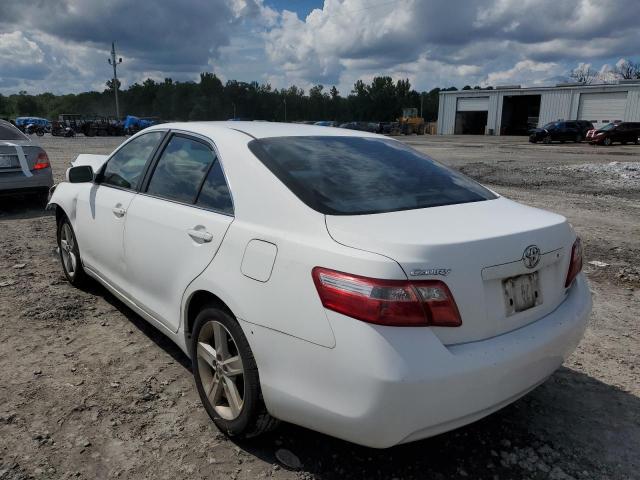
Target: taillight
576	262
387	302
42	161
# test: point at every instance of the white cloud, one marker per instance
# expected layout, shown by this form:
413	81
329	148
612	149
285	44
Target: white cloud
62	45
526	73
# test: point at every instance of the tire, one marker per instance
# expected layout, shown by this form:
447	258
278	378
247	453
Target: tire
248	417
607	142
578	138
637	141
67	246
624	142
546	140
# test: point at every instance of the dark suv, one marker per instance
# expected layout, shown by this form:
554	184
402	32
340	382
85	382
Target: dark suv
571	130
624	132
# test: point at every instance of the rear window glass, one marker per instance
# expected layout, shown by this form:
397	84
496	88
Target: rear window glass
9	132
354	176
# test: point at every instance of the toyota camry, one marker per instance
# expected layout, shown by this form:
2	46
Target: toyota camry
335	279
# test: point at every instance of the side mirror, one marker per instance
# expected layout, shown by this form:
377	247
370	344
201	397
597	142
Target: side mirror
80	174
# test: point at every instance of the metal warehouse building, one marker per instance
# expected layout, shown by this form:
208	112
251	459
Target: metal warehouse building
512	110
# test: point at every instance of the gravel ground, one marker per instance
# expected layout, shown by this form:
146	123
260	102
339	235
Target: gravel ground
89	390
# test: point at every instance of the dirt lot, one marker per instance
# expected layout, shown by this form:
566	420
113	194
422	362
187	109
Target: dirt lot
89	390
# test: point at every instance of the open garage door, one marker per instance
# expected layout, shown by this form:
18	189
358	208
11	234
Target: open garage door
602	108
520	114
471	115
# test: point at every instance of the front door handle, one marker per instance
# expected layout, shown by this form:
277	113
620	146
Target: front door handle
201	235
119	211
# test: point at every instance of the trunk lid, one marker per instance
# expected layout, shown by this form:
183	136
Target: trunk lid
473	248
9	160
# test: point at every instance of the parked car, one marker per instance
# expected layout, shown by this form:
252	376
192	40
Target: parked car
361	126
335	279
24	166
623	132
326	123
563	131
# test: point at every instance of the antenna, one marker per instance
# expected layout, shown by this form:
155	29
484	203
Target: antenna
112	61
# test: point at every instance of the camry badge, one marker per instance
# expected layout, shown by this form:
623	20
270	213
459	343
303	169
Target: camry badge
531	256
443	272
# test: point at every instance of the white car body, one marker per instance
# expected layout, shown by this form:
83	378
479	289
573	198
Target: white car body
370	384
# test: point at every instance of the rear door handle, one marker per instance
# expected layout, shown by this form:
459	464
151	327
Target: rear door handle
119	211
201	235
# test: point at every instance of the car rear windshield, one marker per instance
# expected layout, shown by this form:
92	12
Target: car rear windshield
338	175
9	132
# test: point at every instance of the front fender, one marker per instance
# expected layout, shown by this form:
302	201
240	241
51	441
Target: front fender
64	196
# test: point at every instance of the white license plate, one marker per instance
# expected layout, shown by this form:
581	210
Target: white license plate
5	161
522	292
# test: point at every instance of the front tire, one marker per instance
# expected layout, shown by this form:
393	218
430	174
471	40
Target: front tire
70	254
546	140
226	375
607	142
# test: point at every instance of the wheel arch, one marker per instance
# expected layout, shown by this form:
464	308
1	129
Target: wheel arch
196	301
60	213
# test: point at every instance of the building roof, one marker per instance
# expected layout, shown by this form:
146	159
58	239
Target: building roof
598	87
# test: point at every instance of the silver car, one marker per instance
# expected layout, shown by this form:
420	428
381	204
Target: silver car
24	166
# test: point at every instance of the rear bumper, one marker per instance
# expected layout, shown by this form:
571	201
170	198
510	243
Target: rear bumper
380	386
17	182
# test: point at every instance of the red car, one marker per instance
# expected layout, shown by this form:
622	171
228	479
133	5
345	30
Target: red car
623	132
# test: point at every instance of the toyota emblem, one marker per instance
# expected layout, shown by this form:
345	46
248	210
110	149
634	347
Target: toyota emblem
531	256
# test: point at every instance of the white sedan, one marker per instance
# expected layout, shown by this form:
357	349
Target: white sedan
335	279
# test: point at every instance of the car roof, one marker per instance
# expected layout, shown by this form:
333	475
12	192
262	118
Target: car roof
261	129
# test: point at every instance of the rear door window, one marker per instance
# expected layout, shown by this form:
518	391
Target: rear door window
126	167
215	193
338	175
181	169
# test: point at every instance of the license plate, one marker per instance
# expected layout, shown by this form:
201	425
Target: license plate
522	292
6	161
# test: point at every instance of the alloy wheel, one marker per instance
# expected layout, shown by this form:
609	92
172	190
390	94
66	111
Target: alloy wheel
67	250
221	370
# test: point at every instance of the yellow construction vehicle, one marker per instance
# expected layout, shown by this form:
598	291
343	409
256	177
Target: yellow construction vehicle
410	122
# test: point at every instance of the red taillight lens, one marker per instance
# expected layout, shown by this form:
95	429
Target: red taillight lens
387	302
576	262
42	161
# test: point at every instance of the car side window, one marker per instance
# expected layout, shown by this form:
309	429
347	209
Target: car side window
181	169
215	193
125	168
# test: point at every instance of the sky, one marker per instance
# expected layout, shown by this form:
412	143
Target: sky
62	46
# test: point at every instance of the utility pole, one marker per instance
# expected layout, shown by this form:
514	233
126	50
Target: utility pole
234	110
285	109
421	99
114	63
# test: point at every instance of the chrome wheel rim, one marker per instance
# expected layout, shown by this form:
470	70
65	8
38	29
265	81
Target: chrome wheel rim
220	369
67	246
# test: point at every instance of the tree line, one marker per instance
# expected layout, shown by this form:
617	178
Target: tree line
211	99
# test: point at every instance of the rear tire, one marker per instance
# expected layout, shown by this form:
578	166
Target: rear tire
70	254
578	138
226	375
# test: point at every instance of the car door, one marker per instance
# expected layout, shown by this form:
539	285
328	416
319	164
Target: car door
175	225
569	131
101	209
